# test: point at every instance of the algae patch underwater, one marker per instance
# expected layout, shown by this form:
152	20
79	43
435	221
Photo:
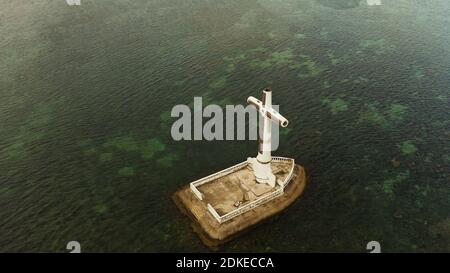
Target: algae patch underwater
126	171
336	105
408	147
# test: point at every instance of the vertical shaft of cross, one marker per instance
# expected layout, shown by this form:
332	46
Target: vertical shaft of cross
265	135
261	165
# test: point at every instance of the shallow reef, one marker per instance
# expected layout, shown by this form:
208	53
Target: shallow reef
407	147
219	83
126	171
378	47
32	130
335	105
390	184
101	208
385	119
151	147
129	147
167	160
106	157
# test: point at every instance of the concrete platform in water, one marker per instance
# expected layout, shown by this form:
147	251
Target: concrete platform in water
229	202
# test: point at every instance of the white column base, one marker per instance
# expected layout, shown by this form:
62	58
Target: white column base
263	172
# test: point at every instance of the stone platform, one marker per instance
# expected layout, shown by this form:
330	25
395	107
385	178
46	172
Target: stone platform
228	193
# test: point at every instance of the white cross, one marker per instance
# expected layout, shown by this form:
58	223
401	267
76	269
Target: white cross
261	164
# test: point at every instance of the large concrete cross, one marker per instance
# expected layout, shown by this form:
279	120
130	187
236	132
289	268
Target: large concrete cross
261	164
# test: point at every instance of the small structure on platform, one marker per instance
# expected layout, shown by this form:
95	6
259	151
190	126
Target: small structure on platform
232	200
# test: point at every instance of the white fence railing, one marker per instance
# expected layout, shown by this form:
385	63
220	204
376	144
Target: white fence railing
214	212
197	193
216	175
248	206
291	172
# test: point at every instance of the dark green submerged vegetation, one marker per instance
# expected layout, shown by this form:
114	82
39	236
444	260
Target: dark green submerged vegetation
86	152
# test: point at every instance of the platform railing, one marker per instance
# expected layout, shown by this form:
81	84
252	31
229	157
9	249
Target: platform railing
288	178
250	205
265	199
216	175
214	213
193	185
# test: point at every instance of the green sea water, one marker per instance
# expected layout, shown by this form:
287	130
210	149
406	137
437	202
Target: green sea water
86	92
